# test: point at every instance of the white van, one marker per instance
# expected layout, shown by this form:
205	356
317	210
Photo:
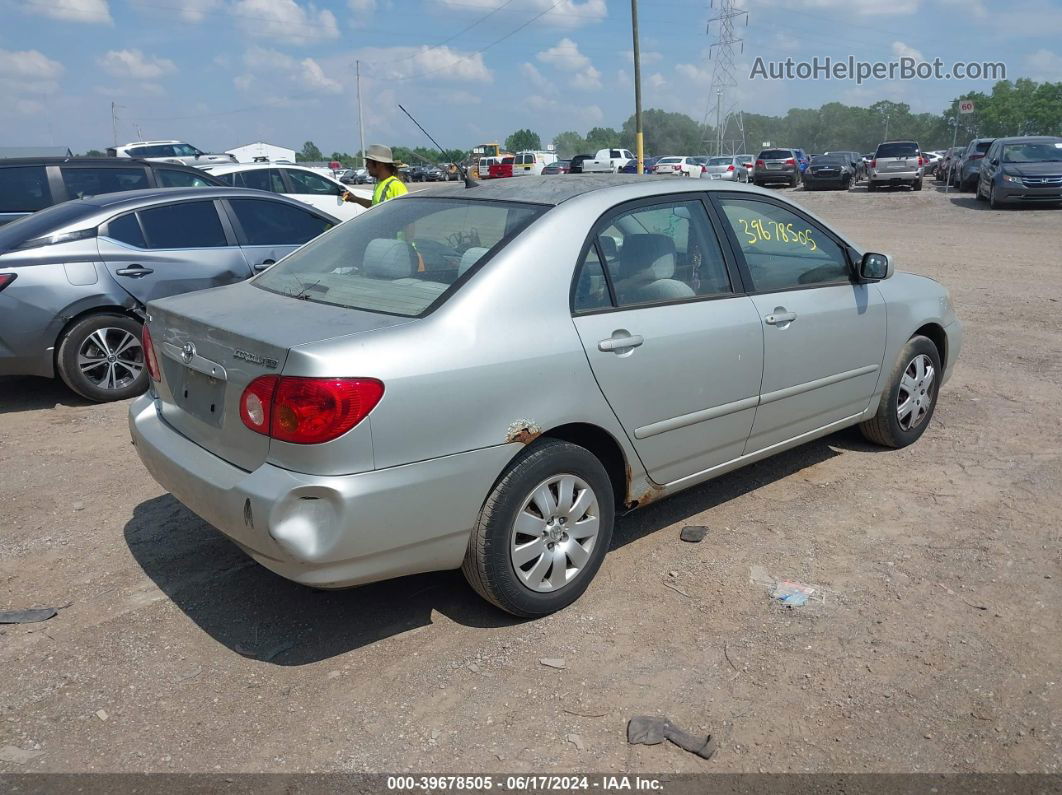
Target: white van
532	163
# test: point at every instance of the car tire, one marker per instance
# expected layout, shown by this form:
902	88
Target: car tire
494	567
84	358
794	182
916	185
978	195
871	187
891	426
993	202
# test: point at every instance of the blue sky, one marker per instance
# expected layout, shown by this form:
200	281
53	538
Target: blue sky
220	73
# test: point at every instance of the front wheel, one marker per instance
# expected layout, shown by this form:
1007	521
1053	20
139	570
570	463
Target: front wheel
543	530
909	398
101	358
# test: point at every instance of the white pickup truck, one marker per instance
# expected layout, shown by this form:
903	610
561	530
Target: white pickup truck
608	161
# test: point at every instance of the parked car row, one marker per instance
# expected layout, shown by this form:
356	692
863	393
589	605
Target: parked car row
1018	170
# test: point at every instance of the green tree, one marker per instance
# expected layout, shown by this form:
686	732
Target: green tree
523	140
94	153
602	138
666	133
569	144
310	152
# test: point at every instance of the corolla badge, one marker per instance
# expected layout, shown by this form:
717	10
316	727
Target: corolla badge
187	352
254	358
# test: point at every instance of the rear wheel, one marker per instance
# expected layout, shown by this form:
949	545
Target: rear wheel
101	358
909	399
794	182
871	187
916	185
543	531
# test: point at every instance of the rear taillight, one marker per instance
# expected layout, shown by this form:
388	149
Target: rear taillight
874	163
790	162
149	354
307	410
730	167
704	169
921	162
6	279
760	164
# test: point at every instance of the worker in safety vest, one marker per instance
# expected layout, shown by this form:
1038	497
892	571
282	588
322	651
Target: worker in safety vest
380	164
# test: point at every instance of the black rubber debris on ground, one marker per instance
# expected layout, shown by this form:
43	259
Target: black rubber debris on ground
27	616
649	730
693	533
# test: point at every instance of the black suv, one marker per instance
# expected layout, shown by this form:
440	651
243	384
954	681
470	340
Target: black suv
28	184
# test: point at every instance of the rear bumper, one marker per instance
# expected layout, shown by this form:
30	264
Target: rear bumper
894	177
782	175
327	532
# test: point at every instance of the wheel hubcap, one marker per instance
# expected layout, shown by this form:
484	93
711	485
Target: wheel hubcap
554	533
111	358
915	396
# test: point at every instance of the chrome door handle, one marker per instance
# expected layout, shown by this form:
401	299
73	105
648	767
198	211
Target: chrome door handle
620	343
136	271
780	318
265	264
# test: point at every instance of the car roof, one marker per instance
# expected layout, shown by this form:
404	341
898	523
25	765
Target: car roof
114	162
228	168
559	189
147	195
1031	139
142	143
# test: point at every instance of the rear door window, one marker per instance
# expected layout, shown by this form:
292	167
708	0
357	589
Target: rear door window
24	189
273	223
184	225
87	181
126	229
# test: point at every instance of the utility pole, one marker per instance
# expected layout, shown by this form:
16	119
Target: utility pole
114	121
724	81
886	126
361	117
639	149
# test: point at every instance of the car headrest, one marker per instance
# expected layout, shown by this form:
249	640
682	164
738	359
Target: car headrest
647	252
608	245
389	259
470	258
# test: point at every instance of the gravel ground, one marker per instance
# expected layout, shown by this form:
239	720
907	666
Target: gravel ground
933	641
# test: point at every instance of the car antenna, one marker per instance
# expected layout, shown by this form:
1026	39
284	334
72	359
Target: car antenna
469	182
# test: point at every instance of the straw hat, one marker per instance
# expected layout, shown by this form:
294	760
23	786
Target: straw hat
380	154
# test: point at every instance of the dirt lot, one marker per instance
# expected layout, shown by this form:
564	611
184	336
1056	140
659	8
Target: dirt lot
937	647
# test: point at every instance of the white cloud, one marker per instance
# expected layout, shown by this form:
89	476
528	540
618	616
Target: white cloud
540	103
656	81
279	73
565	57
285	20
134	65
534	77
694	74
566	13
1044	65
901	50
28	72
28	107
362	11
89	11
131	90
424	63
196	10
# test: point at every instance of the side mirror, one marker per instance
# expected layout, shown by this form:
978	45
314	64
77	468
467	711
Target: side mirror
994	161
875	267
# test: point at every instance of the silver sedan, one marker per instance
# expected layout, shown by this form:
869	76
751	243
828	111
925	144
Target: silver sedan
484	377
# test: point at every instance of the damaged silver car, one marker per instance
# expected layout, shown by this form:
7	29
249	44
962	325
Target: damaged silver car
485	377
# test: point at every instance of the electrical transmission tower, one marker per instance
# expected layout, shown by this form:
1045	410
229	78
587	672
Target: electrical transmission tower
723	95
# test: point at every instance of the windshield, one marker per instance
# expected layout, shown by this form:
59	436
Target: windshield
1043	152
401	257
900	149
42	223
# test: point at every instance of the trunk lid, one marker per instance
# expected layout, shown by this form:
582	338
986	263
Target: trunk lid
210	345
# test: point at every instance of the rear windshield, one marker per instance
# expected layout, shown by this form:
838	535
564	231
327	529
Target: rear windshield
669	160
901	149
46	221
775	154
1039	152
400	258
720	161
819	160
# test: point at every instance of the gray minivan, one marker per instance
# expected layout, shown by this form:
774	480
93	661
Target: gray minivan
896	163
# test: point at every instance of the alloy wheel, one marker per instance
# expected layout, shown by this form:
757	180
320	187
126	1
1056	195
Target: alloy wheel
554	533
111	358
